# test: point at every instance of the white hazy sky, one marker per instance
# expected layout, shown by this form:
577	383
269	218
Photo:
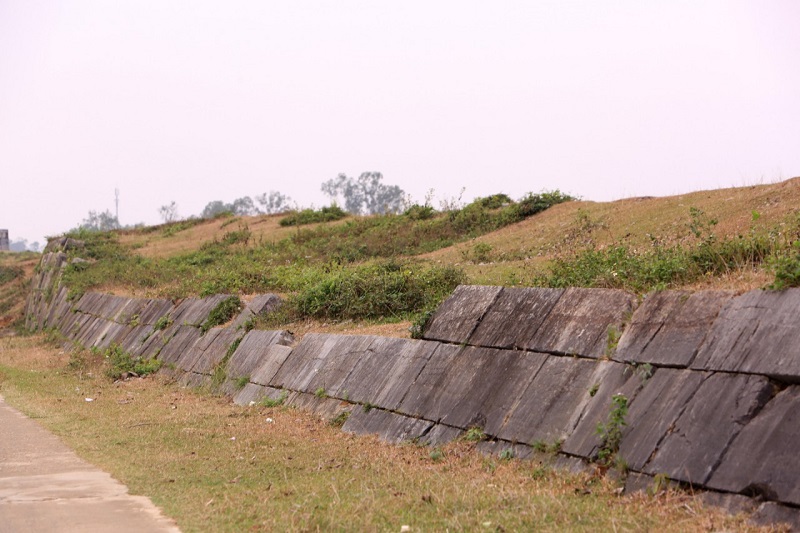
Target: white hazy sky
194	101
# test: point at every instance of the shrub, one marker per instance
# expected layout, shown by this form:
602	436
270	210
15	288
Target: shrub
122	363
378	290
224	311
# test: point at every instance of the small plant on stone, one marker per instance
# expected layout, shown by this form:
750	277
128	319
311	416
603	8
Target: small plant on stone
275	402
320	393
241	382
507	454
339	420
162	323
611	432
474	434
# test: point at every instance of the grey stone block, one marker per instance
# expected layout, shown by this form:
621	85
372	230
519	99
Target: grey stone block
763	459
580	321
549	408
154	310
194	311
184	337
716	413
757	333
457	317
731	503
771	513
515	317
328	408
255	353
668	328
215	349
425	397
653	411
440	434
321	362
607	380
388	426
253	392
387	370
261	305
484	385
637	482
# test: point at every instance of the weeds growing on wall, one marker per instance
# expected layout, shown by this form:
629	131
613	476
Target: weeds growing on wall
121	363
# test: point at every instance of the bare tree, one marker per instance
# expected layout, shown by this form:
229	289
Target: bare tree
169	212
274	202
365	194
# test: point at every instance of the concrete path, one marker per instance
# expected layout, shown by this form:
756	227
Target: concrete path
44	486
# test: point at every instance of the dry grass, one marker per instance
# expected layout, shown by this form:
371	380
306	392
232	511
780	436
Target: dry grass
13	293
214	466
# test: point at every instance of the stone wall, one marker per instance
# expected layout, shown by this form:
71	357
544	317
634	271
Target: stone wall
711	378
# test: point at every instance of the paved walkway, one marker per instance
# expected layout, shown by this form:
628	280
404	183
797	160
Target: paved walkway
45	487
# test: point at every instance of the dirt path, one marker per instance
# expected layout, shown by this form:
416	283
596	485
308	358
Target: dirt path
44	486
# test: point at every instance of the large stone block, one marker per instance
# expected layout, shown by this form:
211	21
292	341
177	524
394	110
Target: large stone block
216	348
457	317
607	380
426	397
184	337
261	305
668	328
485	384
757	333
716	413
514	317
255	353
387	370
194	311
580	321
254	393
388	426
154	310
763	459
549	408
654	410
332	366
321	361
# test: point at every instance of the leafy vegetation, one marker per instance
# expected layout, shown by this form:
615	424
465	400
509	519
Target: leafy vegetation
122	364
610	432
222	312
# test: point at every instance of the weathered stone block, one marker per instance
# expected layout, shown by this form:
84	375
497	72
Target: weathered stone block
388	426
387	370
184	337
440	434
607	380
216	348
580	321
425	398
484	385
714	415
668	328
549	408
253	392
654	410
757	333
457	317
514	317
771	513
255	353
763	459
261	305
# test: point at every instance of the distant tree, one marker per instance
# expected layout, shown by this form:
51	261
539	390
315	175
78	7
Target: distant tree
21	245
244	206
365	194
274	202
169	212
100	221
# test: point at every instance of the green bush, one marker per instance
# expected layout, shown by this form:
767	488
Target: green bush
377	290
224	311
787	269
121	363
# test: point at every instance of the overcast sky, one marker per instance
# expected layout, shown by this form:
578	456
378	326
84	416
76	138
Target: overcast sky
194	101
